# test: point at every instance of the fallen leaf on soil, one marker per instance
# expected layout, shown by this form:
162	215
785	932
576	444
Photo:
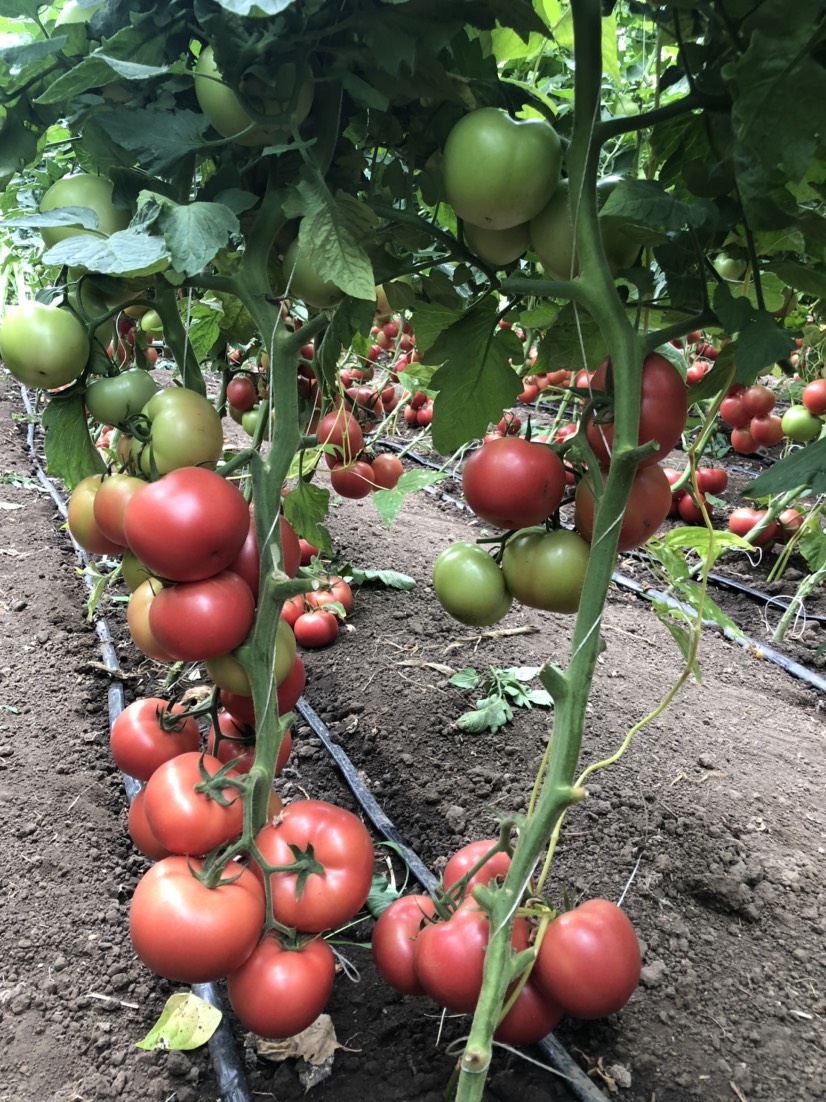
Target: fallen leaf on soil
195	695
420	664
186	1022
316	1044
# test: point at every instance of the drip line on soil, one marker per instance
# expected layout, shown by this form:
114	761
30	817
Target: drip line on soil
577	1082
795	669
226	1061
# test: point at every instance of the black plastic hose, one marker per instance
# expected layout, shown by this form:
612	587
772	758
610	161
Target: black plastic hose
226	1060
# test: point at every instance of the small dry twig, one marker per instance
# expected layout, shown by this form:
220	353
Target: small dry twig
497	633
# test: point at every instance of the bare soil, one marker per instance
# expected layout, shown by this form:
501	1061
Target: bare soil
713	824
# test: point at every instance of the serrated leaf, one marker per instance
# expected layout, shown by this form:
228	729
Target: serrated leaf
84	217
539	317
430	320
467	678
70	453
812	546
125	253
27	53
646	203
391	578
388	503
760	342
127	54
803	467
159	140
522	673
186	1022
194	233
494	713
204	328
802	277
574	340
541	697
698	539
18	147
475	381
305	508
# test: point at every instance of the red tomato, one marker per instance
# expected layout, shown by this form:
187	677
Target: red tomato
188	525
789	524
289	691
648	504
733	412
137	619
464	859
513	483
190	933
81	519
140	741
353	481
531	1018
238	744
316	628
141	832
109	505
241	392
528	395
689	510
743	442
712	480
187	821
343	849
394	937
589	960
766	431
758	400
331	589
247	563
663	408
340	431
743	520
449	957
292	609
387	470
814	397
278	992
307	552
196	620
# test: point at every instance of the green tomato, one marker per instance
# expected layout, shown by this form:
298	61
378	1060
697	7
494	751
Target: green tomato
800	425
228	674
226	113
546	569
151	322
305	283
470	586
43	346
498	247
83	190
133	572
553	240
185	431
116	398
728	267
499	172
249	419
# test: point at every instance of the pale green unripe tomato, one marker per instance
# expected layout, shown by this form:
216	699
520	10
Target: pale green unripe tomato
43	346
83	190
499	172
546	569
73	13
470	586
305	283
498	247
226	113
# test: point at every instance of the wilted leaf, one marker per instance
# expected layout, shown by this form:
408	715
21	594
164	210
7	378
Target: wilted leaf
315	1044
186	1022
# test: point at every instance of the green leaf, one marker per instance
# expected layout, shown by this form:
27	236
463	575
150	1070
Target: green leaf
575	340
803	467
805	278
475	381
812	546
194	233
128	252
159	140
711	611
489	716
467	678
128	54
541	697
260	9
430	320
18	147
760	342
679	634
646	203
305	508
364	93
388	503
205	322
522	673
352	317
18	57
70	453
393	579
382	893
698	539
186	1022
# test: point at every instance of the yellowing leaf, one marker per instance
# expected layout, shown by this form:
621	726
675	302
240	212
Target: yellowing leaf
186	1022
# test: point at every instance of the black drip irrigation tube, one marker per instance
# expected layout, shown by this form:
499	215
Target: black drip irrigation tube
223	1051
795	669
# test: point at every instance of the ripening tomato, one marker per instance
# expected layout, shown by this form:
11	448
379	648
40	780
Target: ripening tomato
114	399
184	819
316	628
81	518
532	1017
197	620
145	735
185	431
92	193
464	859
800	425
589	960
290	689
242	393
141	832
712	480
279	991
663	408
789	524
137	619
758	400
743	442
189	932
237	744
733	412
227	672
814	397
335	890
109	505
513	483
394	937
387	470
331	588
742	521
648	504
766	431
188	525
546	570
353	481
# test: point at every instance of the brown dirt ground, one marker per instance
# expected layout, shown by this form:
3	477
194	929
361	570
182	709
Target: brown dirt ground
715	817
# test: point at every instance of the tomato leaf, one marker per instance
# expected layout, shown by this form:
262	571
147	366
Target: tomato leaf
574	339
388	503
760	340
475	380
680	636
158	140
812	546
382	893
804	467
467	678
186	1022
255	8
124	253
194	232
204	326
391	578
70	453
489	715
305	507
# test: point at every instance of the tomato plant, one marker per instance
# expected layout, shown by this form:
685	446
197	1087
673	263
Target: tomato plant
92	193
185	819
466	858
81	518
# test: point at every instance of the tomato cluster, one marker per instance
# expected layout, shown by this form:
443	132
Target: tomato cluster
586	964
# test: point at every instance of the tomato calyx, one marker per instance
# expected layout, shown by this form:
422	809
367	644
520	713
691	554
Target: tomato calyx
213	784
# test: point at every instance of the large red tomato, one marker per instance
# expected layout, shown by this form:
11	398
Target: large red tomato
140	741
141	832
188	932
278	992
513	483
589	960
464	859
109	504
188	525
184	819
341	845
531	1017
196	620
648	504
394	936
663	408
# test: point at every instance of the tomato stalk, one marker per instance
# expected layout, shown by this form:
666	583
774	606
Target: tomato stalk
176	338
